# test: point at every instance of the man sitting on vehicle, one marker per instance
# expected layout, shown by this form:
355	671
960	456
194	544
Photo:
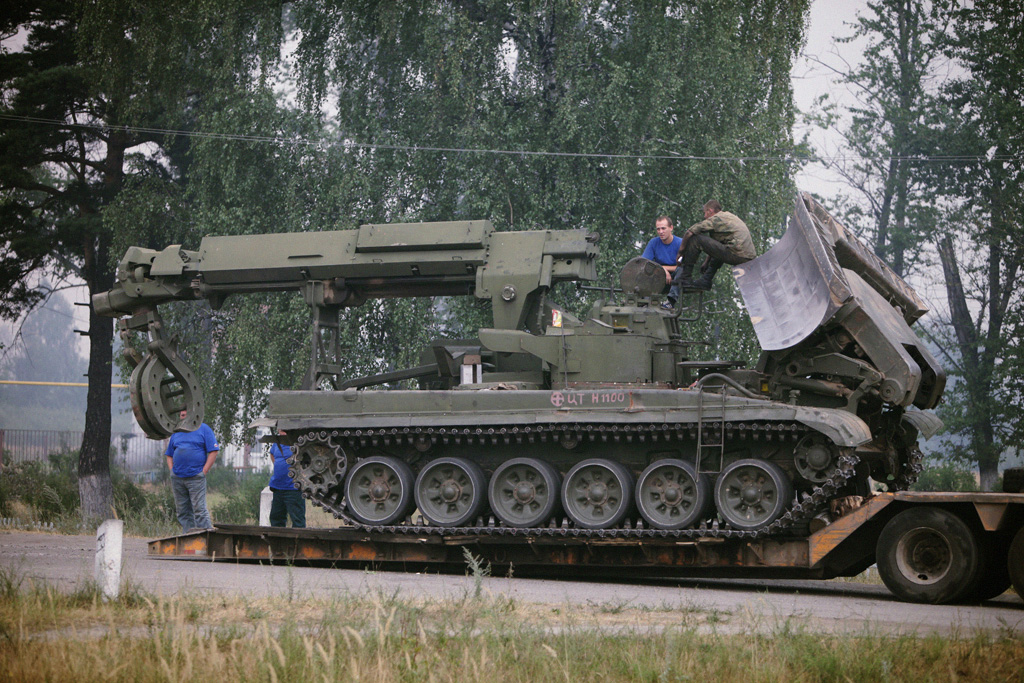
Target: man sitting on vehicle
664	250
722	236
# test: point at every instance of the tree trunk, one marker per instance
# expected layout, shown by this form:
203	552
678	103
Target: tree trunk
95	489
989	472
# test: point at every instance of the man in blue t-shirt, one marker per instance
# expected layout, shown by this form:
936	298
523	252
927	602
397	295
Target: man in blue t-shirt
664	250
287	501
190	455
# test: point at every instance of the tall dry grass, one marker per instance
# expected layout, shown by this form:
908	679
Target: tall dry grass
46	635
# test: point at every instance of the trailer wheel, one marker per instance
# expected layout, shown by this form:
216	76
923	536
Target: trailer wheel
928	555
1015	563
993	577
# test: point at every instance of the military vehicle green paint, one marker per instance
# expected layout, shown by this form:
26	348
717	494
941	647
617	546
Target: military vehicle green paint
600	423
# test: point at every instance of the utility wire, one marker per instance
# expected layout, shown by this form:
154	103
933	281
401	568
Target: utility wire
240	137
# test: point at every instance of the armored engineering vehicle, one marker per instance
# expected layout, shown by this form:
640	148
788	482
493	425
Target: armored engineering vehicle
547	424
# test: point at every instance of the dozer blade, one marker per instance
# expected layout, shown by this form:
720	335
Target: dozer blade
795	287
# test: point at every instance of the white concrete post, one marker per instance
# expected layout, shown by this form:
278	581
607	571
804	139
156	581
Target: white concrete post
109	541
266	498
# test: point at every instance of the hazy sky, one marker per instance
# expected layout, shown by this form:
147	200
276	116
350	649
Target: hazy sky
829	19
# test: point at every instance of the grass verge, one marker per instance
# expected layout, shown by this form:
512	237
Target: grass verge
46	635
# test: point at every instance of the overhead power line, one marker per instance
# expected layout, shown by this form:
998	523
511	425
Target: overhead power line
320	142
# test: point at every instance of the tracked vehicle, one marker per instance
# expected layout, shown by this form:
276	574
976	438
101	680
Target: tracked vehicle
550	423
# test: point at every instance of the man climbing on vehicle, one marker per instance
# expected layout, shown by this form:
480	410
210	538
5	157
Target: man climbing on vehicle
722	236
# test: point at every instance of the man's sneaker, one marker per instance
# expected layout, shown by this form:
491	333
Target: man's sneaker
669	305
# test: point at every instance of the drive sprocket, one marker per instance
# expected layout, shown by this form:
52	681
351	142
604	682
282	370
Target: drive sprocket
318	464
912	467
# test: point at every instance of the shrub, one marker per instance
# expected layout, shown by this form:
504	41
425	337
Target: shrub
243	504
223	480
945	477
51	491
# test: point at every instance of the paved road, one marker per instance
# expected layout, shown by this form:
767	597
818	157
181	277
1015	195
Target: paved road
825	606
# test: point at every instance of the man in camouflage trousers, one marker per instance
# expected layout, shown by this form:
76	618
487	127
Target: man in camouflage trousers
722	236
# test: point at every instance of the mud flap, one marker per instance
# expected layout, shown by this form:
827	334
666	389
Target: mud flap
926	424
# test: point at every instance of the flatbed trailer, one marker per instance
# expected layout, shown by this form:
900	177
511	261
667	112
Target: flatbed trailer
929	547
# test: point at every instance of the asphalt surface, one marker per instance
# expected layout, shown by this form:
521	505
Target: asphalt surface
66	562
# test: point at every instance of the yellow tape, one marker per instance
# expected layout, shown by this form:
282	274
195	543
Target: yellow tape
57	384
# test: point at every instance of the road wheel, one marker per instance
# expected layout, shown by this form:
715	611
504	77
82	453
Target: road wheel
378	490
751	494
597	493
450	491
1015	563
671	495
928	555
523	492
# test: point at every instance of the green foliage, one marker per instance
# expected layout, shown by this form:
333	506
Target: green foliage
146	511
936	141
889	127
49	489
243	503
979	253
586	77
478	568
224	480
945	476
674	102
653	83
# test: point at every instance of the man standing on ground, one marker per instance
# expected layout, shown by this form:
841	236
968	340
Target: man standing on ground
664	250
722	236
287	501
190	455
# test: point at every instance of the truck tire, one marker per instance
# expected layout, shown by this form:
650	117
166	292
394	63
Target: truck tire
927	554
993	577
1015	563
1013	480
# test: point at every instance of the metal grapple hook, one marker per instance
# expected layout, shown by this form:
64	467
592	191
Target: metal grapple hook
162	384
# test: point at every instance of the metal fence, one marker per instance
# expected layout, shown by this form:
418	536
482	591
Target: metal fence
130	452
135	454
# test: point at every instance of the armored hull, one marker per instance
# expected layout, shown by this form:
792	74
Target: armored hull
611	458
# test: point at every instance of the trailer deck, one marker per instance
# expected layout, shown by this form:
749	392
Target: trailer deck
845	547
